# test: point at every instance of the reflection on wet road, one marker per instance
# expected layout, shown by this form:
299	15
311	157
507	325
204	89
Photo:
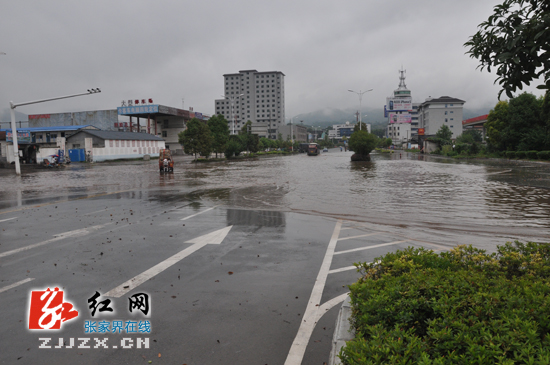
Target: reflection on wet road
399	191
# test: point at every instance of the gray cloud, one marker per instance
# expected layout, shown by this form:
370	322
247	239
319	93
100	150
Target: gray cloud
169	50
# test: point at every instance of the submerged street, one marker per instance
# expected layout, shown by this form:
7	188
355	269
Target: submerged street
244	262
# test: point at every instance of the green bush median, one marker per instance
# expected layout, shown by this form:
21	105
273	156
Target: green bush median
464	306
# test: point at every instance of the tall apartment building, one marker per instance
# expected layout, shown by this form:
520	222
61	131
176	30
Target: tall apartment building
255	96
445	110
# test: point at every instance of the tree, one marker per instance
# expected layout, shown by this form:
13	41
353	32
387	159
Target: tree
469	136
220	133
249	141
234	146
444	133
362	142
524	111
196	138
496	122
514	39
363	127
442	136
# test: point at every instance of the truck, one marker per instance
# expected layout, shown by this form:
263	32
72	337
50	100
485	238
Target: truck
166	162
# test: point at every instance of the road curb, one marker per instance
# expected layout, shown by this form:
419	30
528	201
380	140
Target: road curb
342	332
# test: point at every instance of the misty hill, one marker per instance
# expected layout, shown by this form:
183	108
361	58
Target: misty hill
374	117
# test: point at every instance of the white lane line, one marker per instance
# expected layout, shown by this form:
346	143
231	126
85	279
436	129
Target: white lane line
369	247
363	235
312	313
215	238
9	219
15	284
204	211
331	303
57	237
98	211
347	268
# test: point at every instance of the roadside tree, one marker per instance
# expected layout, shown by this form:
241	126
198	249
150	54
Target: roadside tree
249	141
524	126
514	40
363	127
220	133
234	146
196	138
496	123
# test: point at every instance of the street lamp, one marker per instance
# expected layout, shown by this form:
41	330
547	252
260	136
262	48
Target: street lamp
360	94
232	99
14	129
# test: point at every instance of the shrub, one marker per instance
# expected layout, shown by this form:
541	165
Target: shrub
459	307
233	148
521	154
474	148
446	150
362	142
544	155
511	154
532	155
461	148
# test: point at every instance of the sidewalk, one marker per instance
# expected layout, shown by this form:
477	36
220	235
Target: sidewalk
341	332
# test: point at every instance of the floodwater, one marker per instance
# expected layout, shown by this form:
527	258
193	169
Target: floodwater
482	202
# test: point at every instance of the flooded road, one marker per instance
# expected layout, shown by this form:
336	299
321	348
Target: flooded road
403	193
245	261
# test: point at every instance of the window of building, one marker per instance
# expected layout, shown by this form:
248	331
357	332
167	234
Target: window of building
446	120
164	134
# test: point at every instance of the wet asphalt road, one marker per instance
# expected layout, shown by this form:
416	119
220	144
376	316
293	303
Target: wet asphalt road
238	302
266	290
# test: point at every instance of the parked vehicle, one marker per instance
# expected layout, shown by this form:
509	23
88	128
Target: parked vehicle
166	162
325	149
313	149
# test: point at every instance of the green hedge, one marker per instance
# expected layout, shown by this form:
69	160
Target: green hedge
511	154
532	155
459	307
543	155
521	154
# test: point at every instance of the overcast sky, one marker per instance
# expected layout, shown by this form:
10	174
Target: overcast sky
174	50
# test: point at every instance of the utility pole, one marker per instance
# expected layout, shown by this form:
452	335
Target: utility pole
14	127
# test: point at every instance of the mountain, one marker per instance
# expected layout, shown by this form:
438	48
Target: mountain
329	116
375	117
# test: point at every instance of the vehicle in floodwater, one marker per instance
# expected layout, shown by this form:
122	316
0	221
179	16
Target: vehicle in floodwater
313	149
166	163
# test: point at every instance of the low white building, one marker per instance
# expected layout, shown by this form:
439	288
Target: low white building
110	145
340	130
436	112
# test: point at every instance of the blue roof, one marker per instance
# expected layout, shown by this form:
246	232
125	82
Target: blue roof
61	128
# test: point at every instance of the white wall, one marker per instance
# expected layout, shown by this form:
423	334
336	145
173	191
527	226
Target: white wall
117	149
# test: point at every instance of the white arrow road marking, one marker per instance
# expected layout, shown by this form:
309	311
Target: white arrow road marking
15	284
9	219
57	237
214	238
